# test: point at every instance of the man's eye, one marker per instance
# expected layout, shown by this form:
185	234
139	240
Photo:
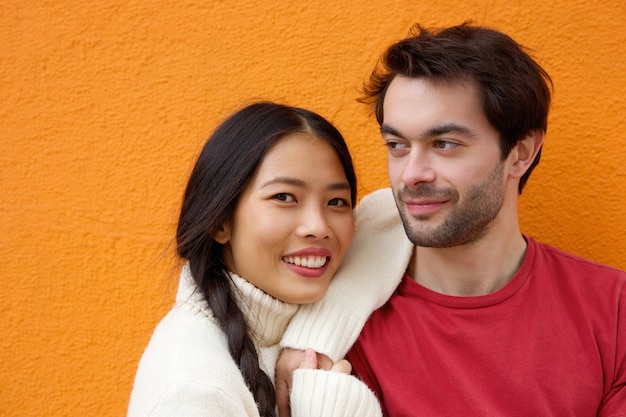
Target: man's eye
393	145
396	148
445	145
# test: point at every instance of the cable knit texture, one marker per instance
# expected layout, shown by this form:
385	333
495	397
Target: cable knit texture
362	284
315	394
186	370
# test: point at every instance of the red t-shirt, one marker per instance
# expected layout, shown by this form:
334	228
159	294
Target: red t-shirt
552	342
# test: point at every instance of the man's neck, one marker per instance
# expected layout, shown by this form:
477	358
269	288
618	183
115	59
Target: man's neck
478	268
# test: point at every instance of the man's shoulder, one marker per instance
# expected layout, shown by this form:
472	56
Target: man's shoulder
573	264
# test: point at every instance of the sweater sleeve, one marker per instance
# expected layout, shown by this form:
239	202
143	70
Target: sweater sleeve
318	393
190	399
368	276
187	370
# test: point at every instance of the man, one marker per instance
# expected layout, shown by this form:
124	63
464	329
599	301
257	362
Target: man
475	318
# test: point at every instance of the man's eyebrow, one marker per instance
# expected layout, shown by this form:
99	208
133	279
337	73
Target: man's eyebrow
388	130
432	132
449	128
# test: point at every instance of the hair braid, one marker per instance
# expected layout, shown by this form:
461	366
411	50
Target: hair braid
218	293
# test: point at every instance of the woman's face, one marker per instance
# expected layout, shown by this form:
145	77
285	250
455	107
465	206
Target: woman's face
293	222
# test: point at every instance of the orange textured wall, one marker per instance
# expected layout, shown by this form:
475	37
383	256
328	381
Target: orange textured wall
106	103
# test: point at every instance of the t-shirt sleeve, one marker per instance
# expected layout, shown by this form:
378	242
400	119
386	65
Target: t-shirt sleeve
614	404
362	369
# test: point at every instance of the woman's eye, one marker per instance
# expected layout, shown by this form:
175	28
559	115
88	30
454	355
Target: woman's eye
339	202
288	198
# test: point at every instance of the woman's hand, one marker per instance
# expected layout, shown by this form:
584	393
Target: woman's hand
292	359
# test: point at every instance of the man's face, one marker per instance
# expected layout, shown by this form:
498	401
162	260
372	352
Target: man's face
444	161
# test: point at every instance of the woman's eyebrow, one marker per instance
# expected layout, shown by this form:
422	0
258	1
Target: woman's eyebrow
341	185
284	180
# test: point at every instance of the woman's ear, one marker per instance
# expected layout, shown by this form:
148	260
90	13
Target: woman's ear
525	152
223	234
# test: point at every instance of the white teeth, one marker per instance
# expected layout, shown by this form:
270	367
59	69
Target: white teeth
308	262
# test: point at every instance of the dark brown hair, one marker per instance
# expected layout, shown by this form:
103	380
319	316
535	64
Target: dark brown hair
226	164
515	91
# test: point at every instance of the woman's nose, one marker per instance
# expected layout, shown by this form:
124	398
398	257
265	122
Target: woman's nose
314	224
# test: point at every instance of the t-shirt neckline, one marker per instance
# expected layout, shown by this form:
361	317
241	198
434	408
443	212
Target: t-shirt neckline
412	288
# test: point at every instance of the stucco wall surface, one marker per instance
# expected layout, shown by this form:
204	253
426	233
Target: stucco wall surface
106	103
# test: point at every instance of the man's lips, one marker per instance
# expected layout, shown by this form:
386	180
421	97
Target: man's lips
424	206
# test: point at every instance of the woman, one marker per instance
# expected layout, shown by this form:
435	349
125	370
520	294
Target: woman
265	221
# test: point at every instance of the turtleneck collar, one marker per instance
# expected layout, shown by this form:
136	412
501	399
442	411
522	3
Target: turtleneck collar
266	316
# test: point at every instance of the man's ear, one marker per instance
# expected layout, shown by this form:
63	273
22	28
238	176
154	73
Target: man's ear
525	152
223	234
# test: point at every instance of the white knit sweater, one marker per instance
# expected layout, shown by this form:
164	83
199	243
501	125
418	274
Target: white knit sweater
186	370
368	276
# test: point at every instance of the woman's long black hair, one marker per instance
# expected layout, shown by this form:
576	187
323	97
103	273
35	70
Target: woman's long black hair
226	164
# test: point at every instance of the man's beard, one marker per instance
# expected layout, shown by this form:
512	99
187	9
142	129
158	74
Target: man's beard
466	223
